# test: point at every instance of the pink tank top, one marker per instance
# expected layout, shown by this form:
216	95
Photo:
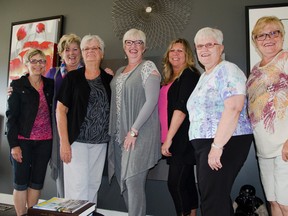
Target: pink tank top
42	125
163	110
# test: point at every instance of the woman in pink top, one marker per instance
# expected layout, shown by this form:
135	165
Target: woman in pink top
180	78
29	130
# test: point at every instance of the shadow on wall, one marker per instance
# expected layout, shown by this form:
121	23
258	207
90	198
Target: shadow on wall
5	165
2	132
2	137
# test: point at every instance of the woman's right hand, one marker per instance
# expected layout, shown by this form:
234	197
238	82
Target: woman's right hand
285	151
16	153
65	152
9	90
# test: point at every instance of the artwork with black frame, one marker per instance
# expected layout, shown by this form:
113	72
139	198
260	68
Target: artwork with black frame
42	33
253	13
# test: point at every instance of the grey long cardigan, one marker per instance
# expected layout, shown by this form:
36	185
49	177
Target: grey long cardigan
147	148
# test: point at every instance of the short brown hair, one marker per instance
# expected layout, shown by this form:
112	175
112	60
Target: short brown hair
32	52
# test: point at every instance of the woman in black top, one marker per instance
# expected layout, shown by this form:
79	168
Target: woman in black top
29	130
82	116
179	79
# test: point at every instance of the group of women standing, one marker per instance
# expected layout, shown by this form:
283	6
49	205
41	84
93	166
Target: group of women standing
203	118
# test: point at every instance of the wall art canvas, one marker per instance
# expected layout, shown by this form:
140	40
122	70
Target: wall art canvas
42	34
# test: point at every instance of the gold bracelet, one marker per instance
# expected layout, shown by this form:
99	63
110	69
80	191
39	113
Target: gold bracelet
216	146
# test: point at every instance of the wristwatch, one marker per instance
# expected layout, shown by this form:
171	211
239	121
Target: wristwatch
133	133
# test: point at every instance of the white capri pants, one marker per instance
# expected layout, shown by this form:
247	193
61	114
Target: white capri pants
83	175
274	176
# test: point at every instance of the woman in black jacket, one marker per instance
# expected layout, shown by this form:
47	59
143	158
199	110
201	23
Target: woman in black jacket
179	79
29	130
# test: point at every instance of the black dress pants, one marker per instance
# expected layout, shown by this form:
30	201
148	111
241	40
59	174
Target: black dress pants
182	187
215	186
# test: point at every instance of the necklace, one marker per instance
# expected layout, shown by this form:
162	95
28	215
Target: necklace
36	84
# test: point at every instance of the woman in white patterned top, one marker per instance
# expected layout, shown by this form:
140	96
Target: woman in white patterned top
220	130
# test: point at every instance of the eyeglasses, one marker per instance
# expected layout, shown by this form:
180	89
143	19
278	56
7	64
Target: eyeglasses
176	50
93	49
136	42
207	45
35	61
272	34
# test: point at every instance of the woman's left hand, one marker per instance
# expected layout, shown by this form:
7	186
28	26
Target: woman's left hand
285	151
129	142
214	157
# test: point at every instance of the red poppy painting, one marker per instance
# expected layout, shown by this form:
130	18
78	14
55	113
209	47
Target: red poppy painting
41	34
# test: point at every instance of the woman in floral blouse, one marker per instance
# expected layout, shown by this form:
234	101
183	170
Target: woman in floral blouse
220	131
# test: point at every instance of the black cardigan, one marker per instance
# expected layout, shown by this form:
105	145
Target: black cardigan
74	94
178	94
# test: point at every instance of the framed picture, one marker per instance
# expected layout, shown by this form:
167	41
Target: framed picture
253	13
42	34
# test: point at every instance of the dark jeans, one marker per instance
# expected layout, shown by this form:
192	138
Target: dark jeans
215	186
182	187
35	157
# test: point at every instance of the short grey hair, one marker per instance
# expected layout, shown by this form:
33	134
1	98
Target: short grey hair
134	33
209	32
89	37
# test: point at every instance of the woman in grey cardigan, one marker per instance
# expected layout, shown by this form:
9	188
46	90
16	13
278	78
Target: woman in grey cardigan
134	123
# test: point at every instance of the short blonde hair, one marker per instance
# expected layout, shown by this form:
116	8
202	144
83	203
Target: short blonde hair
66	40
32	52
134	33
209	32
263	21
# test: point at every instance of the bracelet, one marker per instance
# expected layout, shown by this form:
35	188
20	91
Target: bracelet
216	146
133	133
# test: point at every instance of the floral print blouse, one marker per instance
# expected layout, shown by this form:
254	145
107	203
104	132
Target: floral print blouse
267	89
206	103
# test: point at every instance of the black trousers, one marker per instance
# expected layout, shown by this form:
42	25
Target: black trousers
182	187
31	172
215	186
